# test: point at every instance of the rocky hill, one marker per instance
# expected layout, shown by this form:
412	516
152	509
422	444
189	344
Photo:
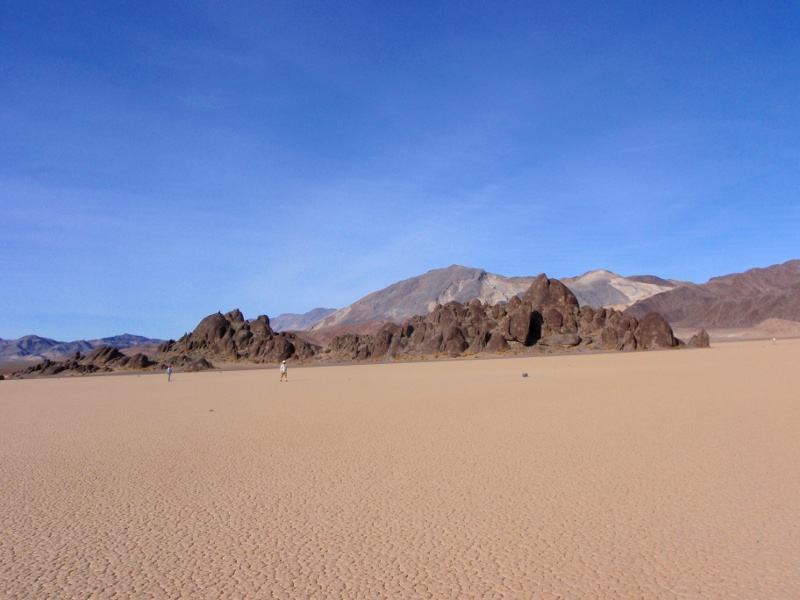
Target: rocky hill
737	300
103	359
231	338
419	295
548	315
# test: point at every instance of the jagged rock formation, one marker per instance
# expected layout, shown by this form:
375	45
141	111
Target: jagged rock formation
548	314
422	294
100	360
230	337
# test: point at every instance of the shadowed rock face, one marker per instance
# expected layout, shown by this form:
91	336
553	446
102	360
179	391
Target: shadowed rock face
104	355
547	315
699	340
230	337
201	364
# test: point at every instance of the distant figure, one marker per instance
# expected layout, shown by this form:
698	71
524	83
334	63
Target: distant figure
774	341
284	373
169	373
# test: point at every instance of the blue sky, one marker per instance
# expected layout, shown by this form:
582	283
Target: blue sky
160	161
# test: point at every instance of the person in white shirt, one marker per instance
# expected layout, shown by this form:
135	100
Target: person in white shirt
284	373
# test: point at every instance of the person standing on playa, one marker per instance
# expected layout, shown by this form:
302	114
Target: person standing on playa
284	372
169	373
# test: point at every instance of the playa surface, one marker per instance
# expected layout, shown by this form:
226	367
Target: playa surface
667	474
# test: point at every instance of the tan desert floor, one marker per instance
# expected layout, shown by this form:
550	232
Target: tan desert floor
671	474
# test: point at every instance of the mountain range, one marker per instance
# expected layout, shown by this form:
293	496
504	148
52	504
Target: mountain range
750	299
737	300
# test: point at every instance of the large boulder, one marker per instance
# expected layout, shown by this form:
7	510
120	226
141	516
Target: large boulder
201	364
546	293
211	330
653	331
561	340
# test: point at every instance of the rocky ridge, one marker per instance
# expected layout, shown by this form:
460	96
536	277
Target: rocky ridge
548	316
108	359
422	294
104	359
738	300
231	338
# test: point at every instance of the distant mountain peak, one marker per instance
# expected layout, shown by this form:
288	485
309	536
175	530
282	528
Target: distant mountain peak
421	294
605	288
299	322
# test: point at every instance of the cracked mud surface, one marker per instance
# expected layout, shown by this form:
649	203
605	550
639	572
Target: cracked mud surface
646	475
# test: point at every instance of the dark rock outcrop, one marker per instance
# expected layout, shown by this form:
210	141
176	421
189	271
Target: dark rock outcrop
105	355
654	332
547	315
230	337
201	364
699	340
137	362
104	359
